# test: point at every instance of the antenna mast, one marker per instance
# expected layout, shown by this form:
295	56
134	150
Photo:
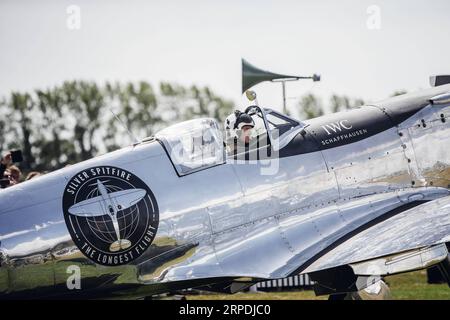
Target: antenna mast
132	136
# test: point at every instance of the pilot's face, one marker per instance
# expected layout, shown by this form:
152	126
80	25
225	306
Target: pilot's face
246	133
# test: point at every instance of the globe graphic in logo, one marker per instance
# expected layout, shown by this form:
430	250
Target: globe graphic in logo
103	227
111	214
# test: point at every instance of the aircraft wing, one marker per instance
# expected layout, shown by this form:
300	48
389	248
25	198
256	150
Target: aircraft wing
415	236
415	231
94	207
127	198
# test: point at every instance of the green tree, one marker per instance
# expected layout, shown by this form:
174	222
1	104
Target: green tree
204	103
180	103
310	107
19	119
55	150
72	122
85	102
341	103
3	129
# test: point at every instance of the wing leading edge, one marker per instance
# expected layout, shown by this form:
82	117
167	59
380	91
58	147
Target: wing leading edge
417	232
95	207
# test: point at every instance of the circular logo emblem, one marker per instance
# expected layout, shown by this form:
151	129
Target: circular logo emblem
111	214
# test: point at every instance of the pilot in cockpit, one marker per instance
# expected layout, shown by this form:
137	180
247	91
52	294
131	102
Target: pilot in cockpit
239	129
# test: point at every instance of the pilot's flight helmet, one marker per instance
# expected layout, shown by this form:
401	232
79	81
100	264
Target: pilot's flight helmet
235	122
244	120
230	123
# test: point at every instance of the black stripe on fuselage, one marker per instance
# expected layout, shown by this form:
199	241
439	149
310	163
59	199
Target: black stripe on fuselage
338	129
353	125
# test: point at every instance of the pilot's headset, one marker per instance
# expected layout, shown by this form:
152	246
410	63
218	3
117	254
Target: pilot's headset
230	126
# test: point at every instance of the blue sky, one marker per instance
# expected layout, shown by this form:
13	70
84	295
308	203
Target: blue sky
202	42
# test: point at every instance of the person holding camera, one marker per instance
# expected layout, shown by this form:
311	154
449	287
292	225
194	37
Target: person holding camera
5	162
10	174
13	174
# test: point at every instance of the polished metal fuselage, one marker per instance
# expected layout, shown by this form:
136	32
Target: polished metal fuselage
227	221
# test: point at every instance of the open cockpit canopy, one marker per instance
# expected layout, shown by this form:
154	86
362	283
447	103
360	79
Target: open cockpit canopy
193	145
198	144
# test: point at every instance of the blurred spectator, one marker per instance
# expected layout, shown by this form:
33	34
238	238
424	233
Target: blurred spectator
32	174
13	174
5	162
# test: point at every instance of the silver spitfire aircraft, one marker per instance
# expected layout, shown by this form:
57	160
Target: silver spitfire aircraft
347	198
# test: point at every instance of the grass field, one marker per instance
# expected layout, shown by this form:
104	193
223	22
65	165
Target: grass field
410	286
